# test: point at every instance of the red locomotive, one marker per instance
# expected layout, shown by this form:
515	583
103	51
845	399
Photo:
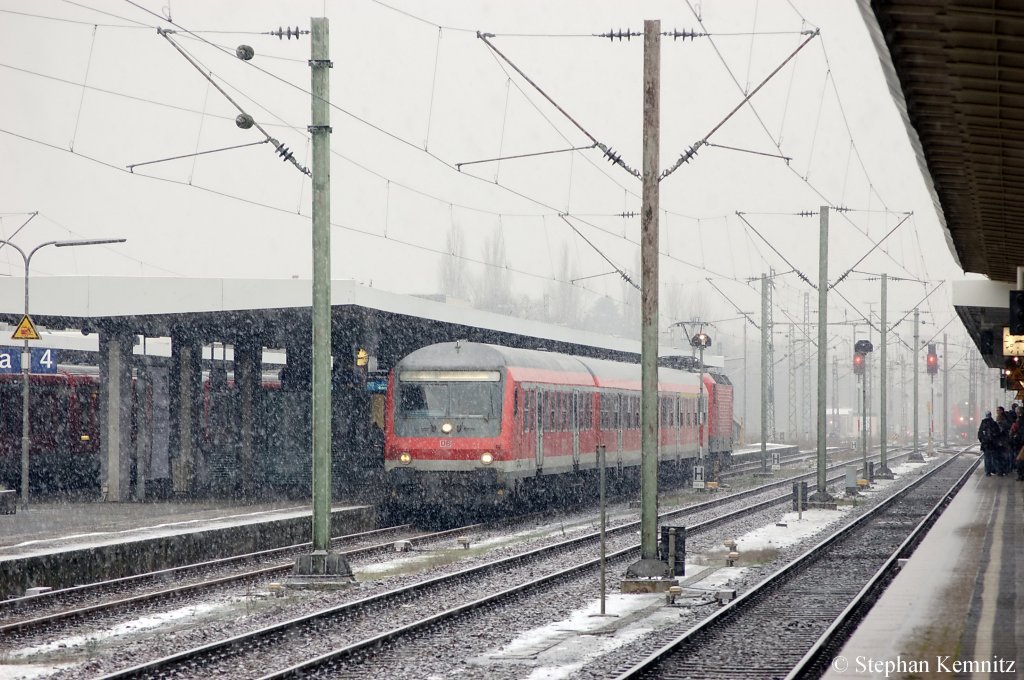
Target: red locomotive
474	426
64	428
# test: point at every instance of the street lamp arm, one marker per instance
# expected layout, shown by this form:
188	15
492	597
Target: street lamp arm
25	361
16	247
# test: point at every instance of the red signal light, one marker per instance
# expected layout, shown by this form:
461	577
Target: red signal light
933	363
858	363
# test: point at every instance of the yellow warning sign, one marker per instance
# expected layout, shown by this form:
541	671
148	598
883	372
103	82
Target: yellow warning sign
25	330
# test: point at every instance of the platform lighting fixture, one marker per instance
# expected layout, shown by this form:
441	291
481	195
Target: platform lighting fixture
25	356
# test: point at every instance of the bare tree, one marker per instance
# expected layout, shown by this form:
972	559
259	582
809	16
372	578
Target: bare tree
493	292
453	266
563	298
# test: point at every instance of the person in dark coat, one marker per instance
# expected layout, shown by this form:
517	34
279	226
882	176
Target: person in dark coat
988	436
1003	458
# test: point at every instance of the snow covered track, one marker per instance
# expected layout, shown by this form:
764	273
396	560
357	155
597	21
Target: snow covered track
788	623
39	614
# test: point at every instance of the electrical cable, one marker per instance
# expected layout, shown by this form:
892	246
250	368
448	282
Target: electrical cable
85	80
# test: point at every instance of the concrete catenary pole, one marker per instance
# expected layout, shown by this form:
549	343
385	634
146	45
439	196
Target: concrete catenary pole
746	394
883	471
764	372
649	293
945	390
822	495
321	287
915	454
321	562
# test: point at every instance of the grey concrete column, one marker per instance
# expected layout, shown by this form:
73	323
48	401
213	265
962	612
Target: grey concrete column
143	430
186	397
115	415
248	371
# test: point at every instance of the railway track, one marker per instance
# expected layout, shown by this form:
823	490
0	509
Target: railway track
359	626
788	624
29	615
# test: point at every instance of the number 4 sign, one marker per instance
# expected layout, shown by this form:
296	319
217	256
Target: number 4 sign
42	360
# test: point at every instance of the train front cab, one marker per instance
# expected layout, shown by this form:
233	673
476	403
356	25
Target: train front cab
446	438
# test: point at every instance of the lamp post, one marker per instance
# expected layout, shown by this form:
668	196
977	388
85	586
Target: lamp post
25	355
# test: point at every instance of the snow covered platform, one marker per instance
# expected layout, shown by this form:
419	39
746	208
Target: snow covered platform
64	544
958	599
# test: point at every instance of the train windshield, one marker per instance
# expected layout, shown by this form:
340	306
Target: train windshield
471	399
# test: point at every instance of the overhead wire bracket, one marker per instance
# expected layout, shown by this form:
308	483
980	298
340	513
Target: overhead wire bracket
618	270
609	154
458	166
131	168
278	146
689	153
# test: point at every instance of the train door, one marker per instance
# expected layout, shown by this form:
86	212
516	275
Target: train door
574	424
542	408
619	406
677	425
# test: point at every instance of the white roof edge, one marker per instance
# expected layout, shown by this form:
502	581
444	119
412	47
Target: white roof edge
91	297
981	294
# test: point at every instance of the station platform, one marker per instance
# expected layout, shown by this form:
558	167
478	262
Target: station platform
60	544
956	608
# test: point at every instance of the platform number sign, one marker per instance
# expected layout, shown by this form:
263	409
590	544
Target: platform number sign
41	360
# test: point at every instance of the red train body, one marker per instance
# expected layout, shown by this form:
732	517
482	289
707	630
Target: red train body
478	425
64	432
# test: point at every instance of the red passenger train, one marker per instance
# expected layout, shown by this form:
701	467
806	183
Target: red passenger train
63	430
476	425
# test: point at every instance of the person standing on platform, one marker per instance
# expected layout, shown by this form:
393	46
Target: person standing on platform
1003	457
988	436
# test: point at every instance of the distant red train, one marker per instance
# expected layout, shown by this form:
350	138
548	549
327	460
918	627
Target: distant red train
965	424
64	440
477	425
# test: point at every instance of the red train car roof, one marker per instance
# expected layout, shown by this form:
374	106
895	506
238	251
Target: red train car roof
539	366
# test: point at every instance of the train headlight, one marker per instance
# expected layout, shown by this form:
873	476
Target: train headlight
446	427
486	457
405	457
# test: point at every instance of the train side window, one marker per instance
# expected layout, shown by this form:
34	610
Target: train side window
556	411
515	402
526	411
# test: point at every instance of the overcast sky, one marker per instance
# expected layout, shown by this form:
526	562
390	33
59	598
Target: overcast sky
91	88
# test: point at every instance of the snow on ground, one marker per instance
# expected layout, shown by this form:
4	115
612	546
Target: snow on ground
559	649
129	628
796	529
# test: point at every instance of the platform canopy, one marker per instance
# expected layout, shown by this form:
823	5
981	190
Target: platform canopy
956	72
278	312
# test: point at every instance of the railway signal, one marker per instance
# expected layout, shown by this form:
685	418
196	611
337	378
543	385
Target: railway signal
858	363
1017	312
932	360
